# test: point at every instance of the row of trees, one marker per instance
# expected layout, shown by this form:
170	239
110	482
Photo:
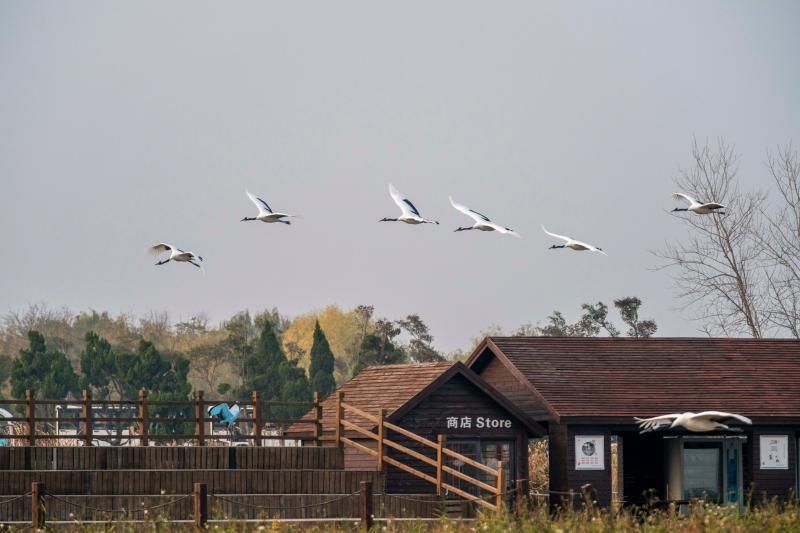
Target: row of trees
282	359
739	273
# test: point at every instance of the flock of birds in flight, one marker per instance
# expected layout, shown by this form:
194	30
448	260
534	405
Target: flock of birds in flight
411	215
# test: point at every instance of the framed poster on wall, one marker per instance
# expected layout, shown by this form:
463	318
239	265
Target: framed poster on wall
589	452
774	452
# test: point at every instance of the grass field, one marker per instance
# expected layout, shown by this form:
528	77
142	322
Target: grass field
770	518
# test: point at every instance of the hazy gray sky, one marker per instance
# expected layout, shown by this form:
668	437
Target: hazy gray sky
128	123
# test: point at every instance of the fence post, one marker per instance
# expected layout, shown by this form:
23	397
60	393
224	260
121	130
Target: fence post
199	418
501	485
317	420
589	497
521	494
339	417
439	462
37	509
200	505
365	505
145	423
381	416
258	419
30	414
86	414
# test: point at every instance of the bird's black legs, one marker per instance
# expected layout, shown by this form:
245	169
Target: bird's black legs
463	229
247	219
388	220
560	246
195	264
162	262
288	223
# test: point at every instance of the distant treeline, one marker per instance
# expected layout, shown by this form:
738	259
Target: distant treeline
58	352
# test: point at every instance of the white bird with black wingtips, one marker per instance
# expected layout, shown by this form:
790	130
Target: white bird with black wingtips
176	254
699	208
482	222
695	422
265	212
410	214
572	244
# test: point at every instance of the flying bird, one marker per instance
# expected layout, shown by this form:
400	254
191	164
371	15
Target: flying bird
265	212
410	214
226	415
697	207
176	254
695	422
482	222
573	244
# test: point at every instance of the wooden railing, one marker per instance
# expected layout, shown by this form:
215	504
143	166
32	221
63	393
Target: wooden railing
496	491
144	425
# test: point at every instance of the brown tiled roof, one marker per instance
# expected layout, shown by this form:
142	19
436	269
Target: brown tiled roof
621	377
384	386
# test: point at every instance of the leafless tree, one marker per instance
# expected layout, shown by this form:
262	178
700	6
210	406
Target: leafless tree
780	241
719	268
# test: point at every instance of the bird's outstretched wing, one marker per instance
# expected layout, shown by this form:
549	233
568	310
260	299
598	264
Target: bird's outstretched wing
721	415
478	217
681	196
557	236
714	205
501	229
656	422
592	248
161	247
261	204
403	203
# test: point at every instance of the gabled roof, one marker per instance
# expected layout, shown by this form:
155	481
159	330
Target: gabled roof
399	388
622	377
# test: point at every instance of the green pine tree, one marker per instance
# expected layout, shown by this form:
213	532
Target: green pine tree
275	377
321	369
47	372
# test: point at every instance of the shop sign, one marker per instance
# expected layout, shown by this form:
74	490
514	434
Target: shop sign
774	452
477	422
589	452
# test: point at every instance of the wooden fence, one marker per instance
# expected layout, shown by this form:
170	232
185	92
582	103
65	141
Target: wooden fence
497	491
142	426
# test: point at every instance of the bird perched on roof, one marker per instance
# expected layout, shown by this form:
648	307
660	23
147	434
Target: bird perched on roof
226	415
699	208
410	214
265	212
573	244
482	222
176	254
695	422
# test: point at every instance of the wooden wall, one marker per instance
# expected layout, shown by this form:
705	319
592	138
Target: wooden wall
168	457
767	484
458	397
498	376
600	479
643	458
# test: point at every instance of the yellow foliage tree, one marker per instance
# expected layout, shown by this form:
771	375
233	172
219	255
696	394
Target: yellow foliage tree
343	330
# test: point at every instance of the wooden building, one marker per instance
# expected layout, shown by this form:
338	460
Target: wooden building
587	391
431	400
